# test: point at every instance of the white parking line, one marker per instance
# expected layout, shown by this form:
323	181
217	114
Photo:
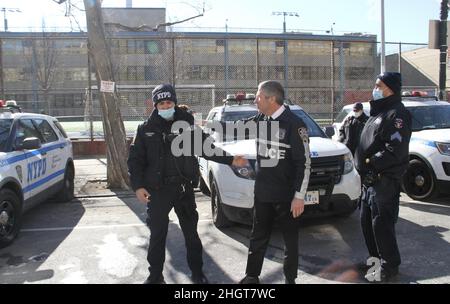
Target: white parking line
80	227
93	227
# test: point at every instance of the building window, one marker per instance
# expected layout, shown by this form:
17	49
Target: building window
131	73
152	47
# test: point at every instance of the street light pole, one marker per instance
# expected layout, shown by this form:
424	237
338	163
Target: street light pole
443	49
284	14
11	10
5	22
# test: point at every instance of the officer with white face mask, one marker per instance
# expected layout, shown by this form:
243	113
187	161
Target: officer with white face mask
350	131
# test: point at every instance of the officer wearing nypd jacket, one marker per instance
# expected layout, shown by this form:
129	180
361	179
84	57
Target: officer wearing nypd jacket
280	187
381	159
164	181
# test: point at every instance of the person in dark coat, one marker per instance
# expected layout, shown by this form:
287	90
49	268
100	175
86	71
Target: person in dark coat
164	180
381	158
280	186
350	131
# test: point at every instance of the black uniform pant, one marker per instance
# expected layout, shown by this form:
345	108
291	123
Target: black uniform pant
379	213
161	203
263	220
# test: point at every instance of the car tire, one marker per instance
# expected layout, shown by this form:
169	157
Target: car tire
66	194
419	182
346	213
219	218
203	187
10	216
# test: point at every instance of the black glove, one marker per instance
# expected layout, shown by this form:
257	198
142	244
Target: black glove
370	178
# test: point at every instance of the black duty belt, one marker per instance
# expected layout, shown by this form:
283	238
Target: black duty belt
173	180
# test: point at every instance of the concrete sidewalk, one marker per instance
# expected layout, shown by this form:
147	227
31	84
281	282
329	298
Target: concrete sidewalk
90	178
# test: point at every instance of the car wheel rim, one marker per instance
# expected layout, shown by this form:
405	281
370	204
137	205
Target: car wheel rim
419	183
6	218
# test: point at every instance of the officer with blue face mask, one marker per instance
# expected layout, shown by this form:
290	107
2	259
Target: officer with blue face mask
381	158
164	181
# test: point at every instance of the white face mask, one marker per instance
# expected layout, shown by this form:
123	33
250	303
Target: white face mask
357	114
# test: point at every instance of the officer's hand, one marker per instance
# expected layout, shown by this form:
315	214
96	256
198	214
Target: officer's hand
297	207
239	161
143	196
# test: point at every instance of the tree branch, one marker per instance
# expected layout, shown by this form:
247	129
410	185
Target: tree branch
147	27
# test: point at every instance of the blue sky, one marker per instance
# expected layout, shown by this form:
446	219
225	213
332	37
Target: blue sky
406	20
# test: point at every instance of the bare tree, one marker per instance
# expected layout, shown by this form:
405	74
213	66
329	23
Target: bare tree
44	57
114	130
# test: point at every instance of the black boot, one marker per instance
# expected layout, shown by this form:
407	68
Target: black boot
199	278
249	280
152	280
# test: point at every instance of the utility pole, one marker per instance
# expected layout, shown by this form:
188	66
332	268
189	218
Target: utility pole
443	50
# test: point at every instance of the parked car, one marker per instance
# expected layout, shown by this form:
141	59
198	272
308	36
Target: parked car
428	173
334	185
36	163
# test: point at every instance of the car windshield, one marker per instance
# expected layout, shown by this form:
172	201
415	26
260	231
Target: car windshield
342	115
235	116
432	117
313	128
5	128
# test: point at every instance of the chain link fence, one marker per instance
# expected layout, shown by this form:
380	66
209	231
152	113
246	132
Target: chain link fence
320	75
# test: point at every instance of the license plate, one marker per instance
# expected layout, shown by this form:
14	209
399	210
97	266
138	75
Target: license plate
312	198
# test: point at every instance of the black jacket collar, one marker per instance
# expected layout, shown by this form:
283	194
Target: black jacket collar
378	106
284	114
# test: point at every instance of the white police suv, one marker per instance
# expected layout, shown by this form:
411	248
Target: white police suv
428	173
36	163
334	184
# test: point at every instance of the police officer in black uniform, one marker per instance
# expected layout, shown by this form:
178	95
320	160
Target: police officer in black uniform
350	131
164	181
381	159
280	187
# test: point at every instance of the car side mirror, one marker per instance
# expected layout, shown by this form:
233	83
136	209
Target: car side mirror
30	143
329	131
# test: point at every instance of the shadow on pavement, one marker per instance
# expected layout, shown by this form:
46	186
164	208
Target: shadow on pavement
43	230
176	251
330	248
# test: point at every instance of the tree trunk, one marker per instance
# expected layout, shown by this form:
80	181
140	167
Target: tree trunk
114	130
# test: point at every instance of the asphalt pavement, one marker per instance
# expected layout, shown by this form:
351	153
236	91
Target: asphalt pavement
101	237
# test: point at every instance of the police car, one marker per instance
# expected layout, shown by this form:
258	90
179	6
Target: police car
36	163
334	185
428	173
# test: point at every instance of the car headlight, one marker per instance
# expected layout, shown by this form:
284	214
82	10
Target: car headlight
348	163
444	148
246	172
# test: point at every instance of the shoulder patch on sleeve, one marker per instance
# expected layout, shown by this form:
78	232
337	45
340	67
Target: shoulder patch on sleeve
303	133
398	123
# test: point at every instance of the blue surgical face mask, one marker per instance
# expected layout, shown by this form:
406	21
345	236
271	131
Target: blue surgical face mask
377	94
167	114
